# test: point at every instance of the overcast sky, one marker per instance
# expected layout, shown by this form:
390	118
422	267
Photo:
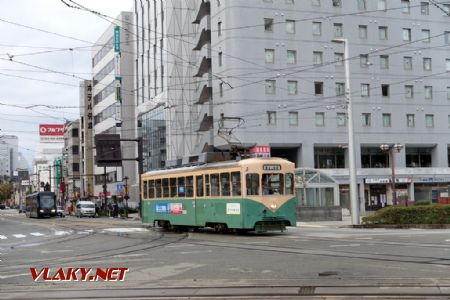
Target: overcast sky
29	57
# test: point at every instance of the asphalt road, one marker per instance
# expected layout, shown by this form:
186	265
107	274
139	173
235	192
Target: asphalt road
309	261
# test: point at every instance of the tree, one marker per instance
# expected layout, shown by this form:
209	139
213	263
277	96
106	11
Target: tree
5	191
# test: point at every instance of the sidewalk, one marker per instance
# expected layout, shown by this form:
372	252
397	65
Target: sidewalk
346	220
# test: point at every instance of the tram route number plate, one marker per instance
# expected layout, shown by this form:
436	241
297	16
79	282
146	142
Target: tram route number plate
233	208
271	167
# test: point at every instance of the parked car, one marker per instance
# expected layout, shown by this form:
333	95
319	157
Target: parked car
85	209
60	212
2	206
22	209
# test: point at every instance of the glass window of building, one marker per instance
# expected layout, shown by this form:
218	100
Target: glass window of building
365	90
447	37
338	59
268	24
292	87
291	57
320	119
424	8
406	7
418	157
318	88
364	60
406	34
429	121
315	2
317	57
447	64
338	30
362	29
366	119
427	64
407	62
409	91
448	121
384	62
381	5
386	120
341	119
448	93
329	158
385	90
410	120
270	87
336	3
316	28
293	118
221	89
362	4
290	26
446	7
271	117
428	91
426	35
383	32
374	157
270	56
340	89
219	28
220	59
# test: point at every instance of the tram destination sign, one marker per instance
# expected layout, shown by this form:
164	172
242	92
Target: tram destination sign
272	167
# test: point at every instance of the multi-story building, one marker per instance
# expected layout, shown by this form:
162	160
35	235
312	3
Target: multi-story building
71	161
114	104
267	73
9	155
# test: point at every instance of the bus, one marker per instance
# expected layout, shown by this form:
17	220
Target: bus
254	194
40	204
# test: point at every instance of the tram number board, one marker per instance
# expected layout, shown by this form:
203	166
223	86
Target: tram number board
272	167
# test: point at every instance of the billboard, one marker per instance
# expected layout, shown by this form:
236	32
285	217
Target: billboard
51	132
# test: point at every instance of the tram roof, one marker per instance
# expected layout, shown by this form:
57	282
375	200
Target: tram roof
221	164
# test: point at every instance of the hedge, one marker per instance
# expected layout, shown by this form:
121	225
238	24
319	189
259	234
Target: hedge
427	214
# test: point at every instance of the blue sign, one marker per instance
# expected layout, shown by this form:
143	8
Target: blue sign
117	39
119	187
161	208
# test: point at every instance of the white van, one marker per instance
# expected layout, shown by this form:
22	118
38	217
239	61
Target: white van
85	209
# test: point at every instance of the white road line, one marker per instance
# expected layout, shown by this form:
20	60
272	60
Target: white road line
14	275
19	236
2	237
447	240
137	229
348	245
62	232
37	234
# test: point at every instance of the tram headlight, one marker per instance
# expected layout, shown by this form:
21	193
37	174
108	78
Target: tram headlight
273	206
41	210
53	210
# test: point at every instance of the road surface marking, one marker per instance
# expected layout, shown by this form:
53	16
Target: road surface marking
312	226
52	251
19	236
15	275
348	245
62	232
2	237
138	229
37	234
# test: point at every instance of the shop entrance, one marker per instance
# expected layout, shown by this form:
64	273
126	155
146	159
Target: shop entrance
376	197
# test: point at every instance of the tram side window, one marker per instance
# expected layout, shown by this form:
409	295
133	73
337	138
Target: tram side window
236	183
272	184
158	188
206	184
190	186
225	184
173	187
252	184
151	189
181	187
289	184
165	187
215	189
199	185
145	189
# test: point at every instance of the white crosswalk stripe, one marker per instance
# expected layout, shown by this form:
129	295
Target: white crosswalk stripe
37	234
19	236
2	237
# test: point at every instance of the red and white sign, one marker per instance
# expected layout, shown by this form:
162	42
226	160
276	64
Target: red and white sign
79	274
260	151
51	130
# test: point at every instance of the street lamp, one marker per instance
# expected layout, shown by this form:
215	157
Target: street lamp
126	197
354	201
390	149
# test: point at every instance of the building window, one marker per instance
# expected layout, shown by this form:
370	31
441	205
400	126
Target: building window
75	167
405	7
407	62
410	120
268	25
406	34
426	36
384	62
221	89
364	60
409	91
317	28
336	3
382	32
365	90
318	88
373	157
418	157
293	118
362	4
292	87
329	158
271	117
341	119
270	56
220	59
446	7
75	150
366	119
338	30
386	120
291	57
270	87
447	37
320	119
424	8
75	132
448	121
338	59
428	91
362	31
447	65
382	5
317	57
290	2
290	26
219	28
340	89
427	64
315	2
385	90
448	93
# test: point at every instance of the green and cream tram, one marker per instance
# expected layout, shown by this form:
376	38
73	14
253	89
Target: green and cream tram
255	194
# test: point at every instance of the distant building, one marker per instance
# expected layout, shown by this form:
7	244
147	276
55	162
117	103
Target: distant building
9	155
71	161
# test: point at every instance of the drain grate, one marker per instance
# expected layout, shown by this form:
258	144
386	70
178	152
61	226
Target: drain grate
307	290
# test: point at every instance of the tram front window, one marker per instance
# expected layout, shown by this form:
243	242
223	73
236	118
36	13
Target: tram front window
272	184
47	201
